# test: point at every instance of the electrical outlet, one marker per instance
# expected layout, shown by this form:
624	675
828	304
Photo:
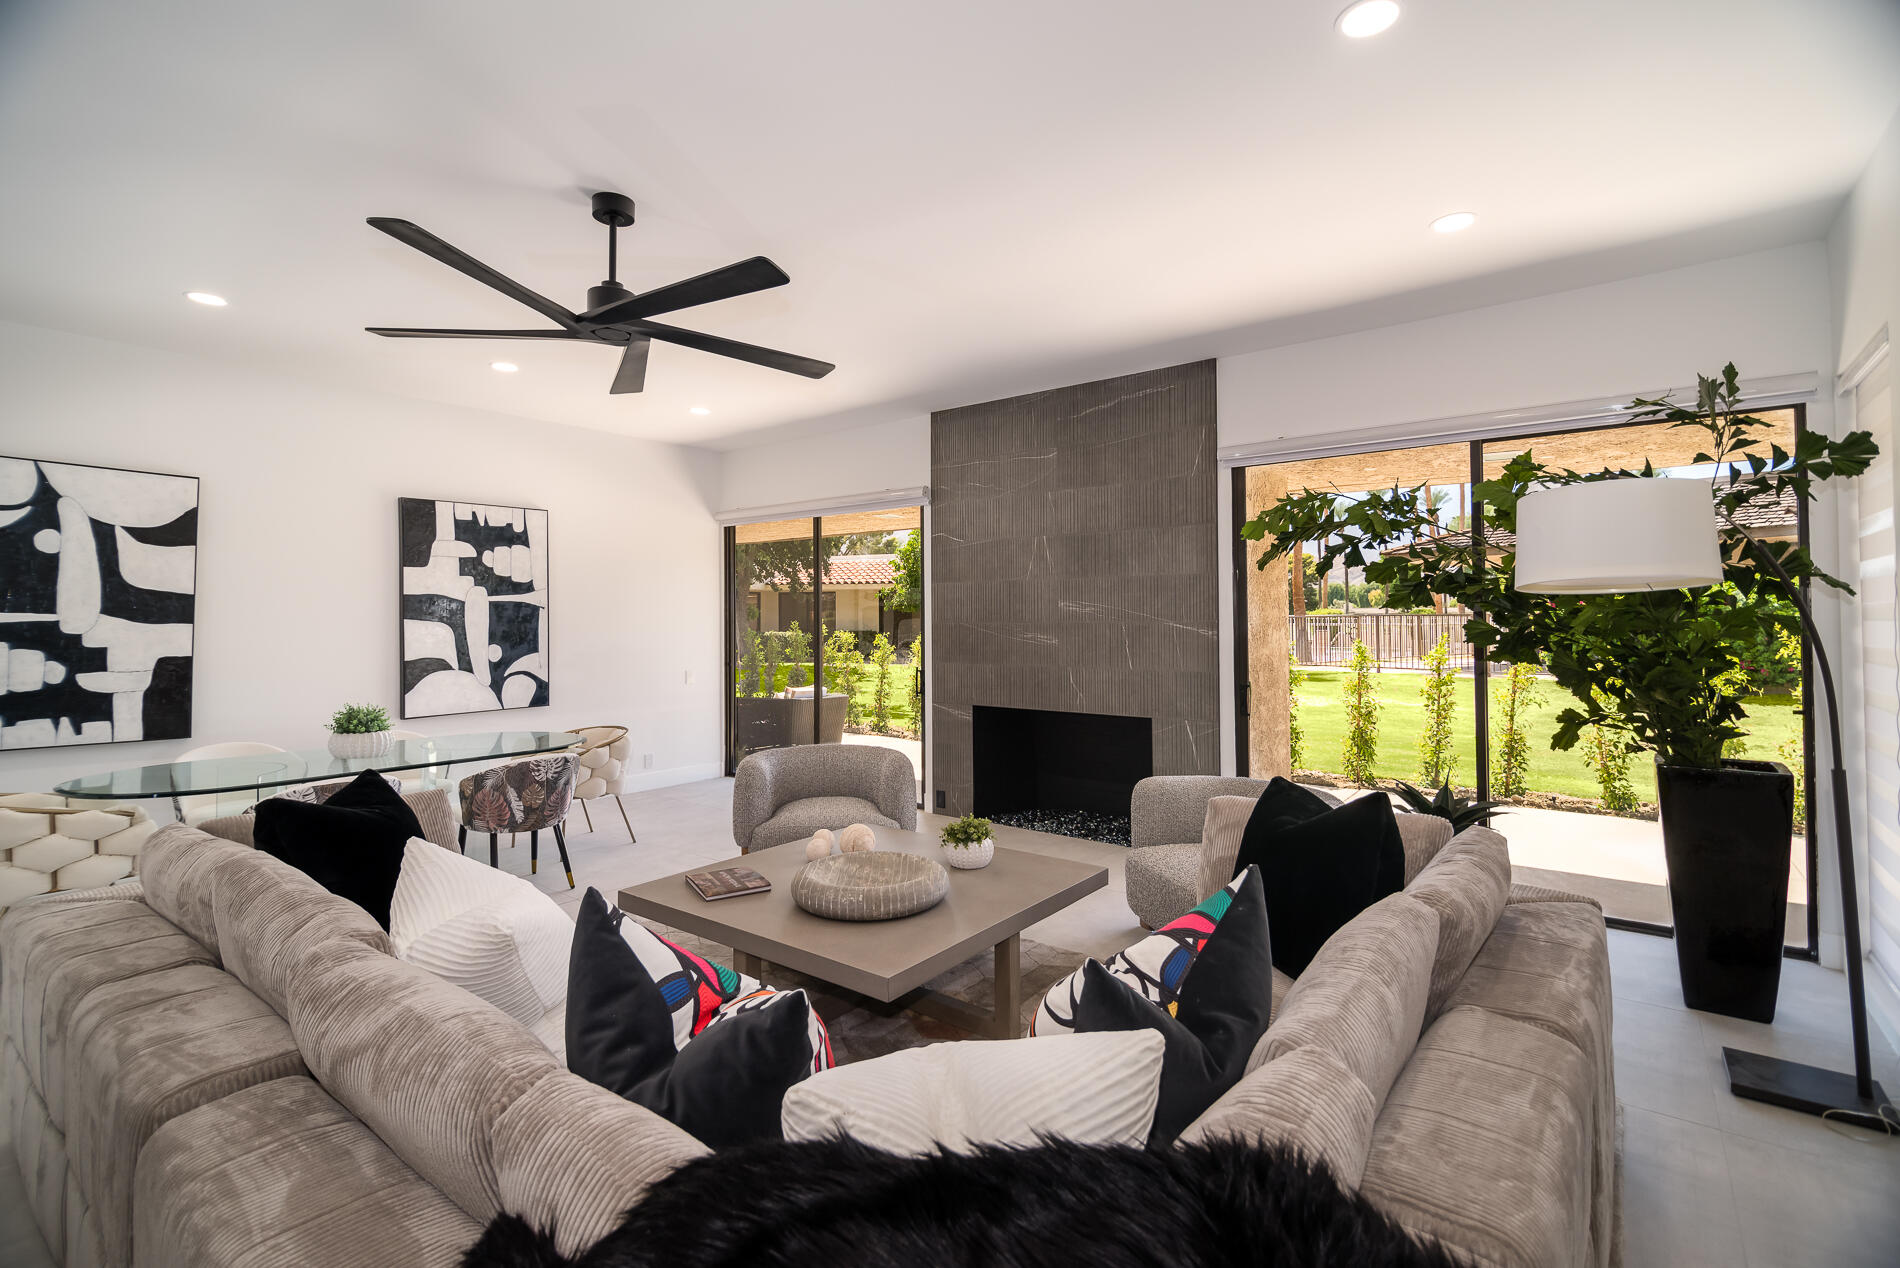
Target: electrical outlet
646	761
689	677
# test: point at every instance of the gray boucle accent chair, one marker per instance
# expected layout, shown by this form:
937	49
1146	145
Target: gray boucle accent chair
786	794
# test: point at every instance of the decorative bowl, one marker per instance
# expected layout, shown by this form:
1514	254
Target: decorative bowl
968	857
869	885
360	744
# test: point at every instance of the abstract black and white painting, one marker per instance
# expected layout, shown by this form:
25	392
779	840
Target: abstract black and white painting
98	580
474	607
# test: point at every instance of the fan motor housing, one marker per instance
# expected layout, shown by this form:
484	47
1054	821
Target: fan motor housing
613	209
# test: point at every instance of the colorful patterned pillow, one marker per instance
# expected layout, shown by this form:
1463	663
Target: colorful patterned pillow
710	1050
693	988
1154	968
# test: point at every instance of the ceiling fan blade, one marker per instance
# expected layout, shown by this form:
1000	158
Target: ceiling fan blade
407	332
462	262
632	375
769	357
743	278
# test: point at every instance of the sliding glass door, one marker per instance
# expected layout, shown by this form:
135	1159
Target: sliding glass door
825	633
1336	687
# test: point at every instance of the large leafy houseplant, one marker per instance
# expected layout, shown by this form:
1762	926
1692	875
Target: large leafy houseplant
1665	671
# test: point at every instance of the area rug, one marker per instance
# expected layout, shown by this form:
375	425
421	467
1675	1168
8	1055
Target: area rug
863	1028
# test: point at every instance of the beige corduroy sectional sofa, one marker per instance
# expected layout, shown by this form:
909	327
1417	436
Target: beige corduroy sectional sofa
223	1064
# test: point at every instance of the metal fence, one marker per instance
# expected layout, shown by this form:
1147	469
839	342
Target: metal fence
1397	640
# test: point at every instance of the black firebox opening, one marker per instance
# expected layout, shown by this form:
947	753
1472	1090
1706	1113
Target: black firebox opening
1040	760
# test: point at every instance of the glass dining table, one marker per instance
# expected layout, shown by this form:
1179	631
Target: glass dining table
261	772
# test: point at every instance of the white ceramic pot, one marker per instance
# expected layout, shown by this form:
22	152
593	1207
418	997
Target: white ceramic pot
968	856
362	744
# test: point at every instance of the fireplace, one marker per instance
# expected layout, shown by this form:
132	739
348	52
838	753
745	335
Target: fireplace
1071	773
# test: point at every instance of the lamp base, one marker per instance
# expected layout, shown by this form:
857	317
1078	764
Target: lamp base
1807	1088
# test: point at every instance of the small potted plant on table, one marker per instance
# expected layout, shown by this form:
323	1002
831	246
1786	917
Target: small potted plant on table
966	843
359	730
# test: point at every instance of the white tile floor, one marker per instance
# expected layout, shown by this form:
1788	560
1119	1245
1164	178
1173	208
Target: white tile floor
1707	1179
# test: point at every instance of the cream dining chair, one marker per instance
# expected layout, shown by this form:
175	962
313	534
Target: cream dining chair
603	752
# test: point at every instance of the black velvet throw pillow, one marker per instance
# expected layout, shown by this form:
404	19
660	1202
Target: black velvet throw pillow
724	1086
351	845
1322	864
1219	1014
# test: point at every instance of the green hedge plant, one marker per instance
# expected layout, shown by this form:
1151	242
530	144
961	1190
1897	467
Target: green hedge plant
359	719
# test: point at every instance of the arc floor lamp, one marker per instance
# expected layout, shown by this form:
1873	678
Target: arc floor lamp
1617	536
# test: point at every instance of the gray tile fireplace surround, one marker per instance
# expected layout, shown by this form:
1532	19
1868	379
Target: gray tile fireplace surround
1073	564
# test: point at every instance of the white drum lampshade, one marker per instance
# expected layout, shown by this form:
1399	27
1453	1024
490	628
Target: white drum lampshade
1612	536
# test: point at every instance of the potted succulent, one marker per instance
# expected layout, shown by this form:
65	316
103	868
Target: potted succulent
966	842
1662	671
359	730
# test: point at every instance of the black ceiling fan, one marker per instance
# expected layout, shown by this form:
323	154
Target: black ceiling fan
615	316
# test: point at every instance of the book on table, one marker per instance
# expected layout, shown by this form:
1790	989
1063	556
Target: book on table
727	882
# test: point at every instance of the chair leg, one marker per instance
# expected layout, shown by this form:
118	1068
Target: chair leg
511	840
560	839
534	853
588	817
623	818
494	849
461	840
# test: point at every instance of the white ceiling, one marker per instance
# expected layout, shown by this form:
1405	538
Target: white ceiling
971	198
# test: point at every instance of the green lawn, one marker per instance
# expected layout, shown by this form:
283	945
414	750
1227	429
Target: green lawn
1322	716
902	717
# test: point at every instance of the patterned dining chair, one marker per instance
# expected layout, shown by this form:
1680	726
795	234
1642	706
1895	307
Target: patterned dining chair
524	796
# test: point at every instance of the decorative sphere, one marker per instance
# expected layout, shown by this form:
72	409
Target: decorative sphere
818	847
857	837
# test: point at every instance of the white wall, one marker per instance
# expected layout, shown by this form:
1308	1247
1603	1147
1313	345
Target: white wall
1864	265
840	464
297	568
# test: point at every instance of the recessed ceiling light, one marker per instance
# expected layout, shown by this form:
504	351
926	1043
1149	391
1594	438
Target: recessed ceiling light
504	367
1368	17
699	409
1456	222
206	298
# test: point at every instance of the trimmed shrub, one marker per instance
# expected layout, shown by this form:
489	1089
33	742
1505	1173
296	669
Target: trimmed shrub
1515	694
1437	754
1361	748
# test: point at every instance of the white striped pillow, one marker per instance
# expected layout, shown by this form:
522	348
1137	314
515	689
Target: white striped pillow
1093	1088
492	934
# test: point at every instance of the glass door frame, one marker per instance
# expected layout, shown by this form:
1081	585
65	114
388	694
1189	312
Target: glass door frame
729	628
1481	667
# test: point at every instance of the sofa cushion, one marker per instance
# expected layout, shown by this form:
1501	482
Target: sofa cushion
428	1066
1423	836
481	928
573	1157
1322	864
142	1052
798	819
53	955
1547	965
1509	1102
270	915
351	843
1307	1099
1466	884
1363	997
38	1146
1221	831
176	868
1099	1089
280	1173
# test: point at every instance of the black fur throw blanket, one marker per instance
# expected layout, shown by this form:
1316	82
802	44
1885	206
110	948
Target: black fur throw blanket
840	1204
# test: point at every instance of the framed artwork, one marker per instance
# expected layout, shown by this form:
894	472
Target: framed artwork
474	607
98	596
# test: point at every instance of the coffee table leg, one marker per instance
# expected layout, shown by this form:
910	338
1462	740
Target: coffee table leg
748	964
1007	1014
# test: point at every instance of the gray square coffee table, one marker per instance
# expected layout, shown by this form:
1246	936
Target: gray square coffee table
986	910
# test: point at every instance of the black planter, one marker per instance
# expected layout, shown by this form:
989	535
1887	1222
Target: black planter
1727	834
